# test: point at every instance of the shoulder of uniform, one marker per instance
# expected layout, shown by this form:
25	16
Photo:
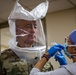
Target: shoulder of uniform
9	54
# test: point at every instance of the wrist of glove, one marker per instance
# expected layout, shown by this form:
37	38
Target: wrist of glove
52	51
60	58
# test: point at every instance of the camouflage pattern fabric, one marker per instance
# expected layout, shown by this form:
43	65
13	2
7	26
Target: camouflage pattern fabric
1	65
11	64
48	67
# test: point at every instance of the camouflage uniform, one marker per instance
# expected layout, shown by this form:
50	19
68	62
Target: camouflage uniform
11	64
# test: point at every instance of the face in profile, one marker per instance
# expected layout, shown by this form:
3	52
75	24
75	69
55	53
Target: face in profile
26	32
71	47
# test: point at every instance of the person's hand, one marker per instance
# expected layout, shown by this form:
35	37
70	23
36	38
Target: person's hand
60	58
54	49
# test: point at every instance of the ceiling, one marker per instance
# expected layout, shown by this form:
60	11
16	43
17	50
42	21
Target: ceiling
54	5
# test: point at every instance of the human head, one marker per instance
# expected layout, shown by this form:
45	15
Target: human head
71	44
21	37
26	32
19	13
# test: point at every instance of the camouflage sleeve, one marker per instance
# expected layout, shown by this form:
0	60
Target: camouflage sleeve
48	67
2	70
13	65
1	65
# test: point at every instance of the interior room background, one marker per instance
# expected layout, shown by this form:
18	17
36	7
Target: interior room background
58	26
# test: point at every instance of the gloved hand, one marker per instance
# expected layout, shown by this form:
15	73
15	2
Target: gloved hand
60	58
54	49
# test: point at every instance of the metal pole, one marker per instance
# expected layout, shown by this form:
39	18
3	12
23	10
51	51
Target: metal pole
45	31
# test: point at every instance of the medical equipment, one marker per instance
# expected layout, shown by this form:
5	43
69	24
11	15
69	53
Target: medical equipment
19	13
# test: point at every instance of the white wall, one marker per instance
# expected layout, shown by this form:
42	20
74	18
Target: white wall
5	36
59	25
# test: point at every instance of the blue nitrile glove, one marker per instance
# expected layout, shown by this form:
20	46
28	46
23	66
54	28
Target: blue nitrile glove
60	58
54	49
